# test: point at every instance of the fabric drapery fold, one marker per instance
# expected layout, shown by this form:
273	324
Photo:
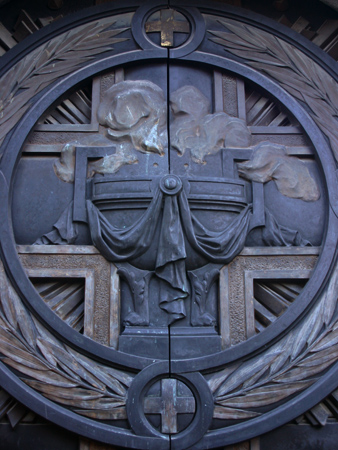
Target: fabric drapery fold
65	230
177	224
170	261
123	244
173	289
217	246
275	234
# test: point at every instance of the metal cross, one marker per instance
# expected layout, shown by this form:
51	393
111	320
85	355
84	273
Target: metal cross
169	405
167	26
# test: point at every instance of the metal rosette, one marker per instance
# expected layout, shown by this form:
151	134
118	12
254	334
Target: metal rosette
246	389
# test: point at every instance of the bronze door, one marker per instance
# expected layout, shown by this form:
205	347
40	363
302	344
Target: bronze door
169	238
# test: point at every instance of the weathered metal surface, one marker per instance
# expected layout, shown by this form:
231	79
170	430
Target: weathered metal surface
177	166
169	404
167	26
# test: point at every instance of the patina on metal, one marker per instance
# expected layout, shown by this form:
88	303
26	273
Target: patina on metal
167	25
171	225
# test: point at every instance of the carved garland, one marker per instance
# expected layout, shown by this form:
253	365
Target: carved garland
47	63
57	371
287	367
297	73
293	364
97	391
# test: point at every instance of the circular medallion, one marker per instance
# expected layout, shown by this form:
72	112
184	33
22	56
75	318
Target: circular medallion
167	22
187	395
170	226
171	184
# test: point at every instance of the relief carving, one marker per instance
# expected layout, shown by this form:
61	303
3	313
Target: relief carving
201	282
50	61
54	369
133	114
203	133
271	162
138	281
133	125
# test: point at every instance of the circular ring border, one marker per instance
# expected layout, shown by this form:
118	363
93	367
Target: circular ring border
203	398
193	16
327	384
108	355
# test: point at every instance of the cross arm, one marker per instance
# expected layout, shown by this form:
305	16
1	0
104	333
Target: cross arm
82	155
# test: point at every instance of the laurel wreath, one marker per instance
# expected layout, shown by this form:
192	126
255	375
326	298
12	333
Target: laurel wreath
54	369
49	62
94	390
297	73
287	367
294	362
57	371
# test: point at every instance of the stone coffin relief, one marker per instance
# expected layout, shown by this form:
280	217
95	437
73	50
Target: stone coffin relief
163	282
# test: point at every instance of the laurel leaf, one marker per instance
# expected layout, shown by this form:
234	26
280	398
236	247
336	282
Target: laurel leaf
320	358
74	376
4	299
304	331
221	412
74	365
266	395
301	77
47	63
301	67
111	382
76	397
66	393
7	336
261	57
224	38
288	51
84	56
113	414
46	353
327	342
23	318
123	377
110	33
7	86
328	128
3	322
72	38
219	377
51	48
275	49
14	111
49	376
331	89
22	356
318	106
245	371
289	79
330	299
99	404
251	381
284	355
319	78
299	373
294	92
248	35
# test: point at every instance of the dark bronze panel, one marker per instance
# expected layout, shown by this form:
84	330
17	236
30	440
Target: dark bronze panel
168	241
